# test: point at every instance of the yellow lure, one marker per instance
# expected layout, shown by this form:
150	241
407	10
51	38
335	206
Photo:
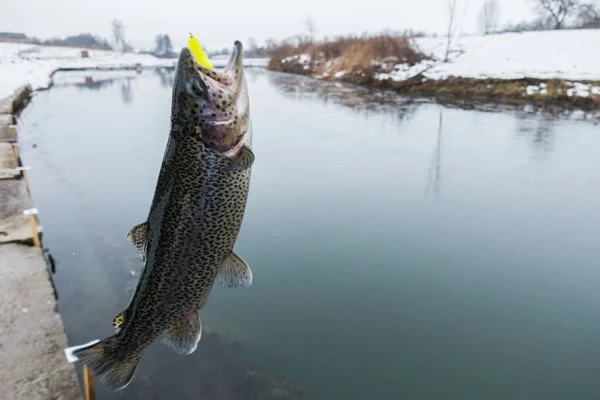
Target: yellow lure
201	56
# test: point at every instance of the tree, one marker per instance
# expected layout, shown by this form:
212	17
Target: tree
451	11
159	46
311	28
488	16
118	31
168	45
589	15
556	10
252	45
163	46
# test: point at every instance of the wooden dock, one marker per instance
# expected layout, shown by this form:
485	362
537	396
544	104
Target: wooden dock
32	336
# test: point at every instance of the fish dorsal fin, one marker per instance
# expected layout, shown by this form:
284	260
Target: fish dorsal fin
138	237
244	160
234	272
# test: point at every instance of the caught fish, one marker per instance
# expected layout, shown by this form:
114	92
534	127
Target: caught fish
187	242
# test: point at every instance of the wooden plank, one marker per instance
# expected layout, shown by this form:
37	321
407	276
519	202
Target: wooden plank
6	106
8	162
8	132
14	225
6	119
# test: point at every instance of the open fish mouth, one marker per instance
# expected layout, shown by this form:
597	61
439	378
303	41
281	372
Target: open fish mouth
213	103
232	70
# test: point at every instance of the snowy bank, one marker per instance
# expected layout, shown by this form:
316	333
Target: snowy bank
483	66
26	64
567	54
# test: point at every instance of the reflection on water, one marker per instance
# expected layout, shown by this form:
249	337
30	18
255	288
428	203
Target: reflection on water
361	99
166	77
538	131
400	249
435	171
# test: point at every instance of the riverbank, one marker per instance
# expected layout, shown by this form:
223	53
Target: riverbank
32	336
547	68
33	65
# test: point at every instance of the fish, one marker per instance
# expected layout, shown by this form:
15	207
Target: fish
186	243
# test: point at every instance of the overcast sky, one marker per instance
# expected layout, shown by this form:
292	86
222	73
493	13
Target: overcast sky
218	23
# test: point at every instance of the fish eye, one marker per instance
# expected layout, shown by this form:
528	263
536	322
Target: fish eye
196	87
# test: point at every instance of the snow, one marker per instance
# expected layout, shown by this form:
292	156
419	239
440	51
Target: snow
575	89
567	54
300	58
532	90
22	64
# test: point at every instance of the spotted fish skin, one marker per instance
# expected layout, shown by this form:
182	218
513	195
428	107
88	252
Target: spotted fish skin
187	242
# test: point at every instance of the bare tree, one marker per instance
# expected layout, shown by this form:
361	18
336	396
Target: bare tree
311	28
589	15
159	46
167	44
488	16
118	31
452	25
556	10
252	44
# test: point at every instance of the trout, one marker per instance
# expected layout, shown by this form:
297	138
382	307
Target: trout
186	244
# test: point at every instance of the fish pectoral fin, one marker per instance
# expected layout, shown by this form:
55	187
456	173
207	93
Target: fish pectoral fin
184	335
119	320
234	272
138	237
244	159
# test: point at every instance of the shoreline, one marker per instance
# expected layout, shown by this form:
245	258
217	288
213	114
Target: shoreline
31	329
542	68
475	91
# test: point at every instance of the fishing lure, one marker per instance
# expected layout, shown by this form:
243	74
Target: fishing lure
198	51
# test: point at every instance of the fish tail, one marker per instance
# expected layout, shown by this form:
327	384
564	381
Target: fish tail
110	363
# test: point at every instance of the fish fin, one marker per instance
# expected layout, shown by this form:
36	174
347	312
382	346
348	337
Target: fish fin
244	159
184	335
138	237
234	272
113	367
119	320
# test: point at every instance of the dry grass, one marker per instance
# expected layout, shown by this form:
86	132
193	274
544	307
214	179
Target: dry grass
498	90
359	57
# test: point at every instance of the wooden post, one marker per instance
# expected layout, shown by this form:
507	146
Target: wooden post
89	385
36	238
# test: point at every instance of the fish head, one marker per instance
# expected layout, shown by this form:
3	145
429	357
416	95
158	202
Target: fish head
212	105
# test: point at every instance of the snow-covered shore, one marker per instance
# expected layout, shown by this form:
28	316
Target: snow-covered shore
558	67
567	54
26	64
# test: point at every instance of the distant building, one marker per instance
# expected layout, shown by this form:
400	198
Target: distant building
13	37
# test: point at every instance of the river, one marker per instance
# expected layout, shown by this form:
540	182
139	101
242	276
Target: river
401	249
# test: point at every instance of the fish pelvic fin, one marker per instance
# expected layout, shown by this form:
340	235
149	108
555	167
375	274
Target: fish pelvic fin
119	320
138	237
114	367
234	272
183	336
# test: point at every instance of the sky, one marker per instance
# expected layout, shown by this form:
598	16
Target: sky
219	23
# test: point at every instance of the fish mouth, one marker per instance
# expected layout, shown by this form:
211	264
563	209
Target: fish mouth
212	103
232	71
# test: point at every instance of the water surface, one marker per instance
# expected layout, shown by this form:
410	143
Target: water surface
400	248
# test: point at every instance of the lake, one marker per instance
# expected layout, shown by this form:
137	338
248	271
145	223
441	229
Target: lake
401	249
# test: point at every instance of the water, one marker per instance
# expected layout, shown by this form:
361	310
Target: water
400	248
